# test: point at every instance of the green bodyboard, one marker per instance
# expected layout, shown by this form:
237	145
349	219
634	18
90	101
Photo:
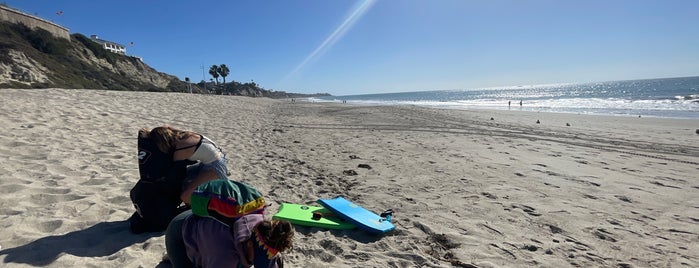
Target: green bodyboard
303	215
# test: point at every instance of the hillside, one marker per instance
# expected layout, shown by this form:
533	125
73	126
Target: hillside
34	58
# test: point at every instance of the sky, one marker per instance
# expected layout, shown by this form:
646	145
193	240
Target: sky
348	47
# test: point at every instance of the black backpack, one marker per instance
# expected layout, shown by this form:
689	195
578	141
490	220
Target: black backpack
156	195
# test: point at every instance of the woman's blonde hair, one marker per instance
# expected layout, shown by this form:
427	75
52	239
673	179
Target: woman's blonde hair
165	137
278	234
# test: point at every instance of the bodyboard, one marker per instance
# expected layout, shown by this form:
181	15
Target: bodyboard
363	218
303	215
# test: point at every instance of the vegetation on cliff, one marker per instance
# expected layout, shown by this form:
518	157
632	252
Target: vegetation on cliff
34	58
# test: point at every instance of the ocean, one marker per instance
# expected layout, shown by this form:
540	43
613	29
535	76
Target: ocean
665	97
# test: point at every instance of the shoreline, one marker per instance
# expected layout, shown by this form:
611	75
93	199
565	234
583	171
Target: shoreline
466	190
694	115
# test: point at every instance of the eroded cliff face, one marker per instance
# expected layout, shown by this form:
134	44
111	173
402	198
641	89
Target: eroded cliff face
130	67
137	70
77	66
22	69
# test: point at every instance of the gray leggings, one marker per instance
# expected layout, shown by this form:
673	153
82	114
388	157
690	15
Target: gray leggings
174	243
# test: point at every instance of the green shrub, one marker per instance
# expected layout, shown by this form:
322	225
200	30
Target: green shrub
96	48
40	39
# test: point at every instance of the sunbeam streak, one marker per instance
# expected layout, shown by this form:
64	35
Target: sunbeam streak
359	10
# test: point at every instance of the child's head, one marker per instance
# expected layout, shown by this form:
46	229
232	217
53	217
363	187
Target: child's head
271	237
278	234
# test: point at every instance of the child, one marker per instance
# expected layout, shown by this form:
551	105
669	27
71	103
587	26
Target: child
226	228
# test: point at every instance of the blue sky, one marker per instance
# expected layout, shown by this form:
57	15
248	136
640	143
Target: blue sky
346	47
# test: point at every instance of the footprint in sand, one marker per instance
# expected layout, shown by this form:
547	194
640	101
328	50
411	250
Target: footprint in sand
48	226
551	185
603	234
331	246
43	199
529	210
554	229
589	196
122	199
9	212
664	185
59	191
95	181
12	188
623	198
489	195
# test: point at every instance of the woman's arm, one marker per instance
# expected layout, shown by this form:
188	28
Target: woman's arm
192	185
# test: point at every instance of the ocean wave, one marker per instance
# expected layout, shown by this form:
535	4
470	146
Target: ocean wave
672	97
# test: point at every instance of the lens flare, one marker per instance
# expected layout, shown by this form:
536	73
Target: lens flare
353	16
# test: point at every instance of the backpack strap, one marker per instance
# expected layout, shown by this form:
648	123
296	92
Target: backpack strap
201	139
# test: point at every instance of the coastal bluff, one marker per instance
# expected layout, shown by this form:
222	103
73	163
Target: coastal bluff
15	16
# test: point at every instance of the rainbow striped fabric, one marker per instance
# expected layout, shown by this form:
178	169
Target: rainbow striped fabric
226	200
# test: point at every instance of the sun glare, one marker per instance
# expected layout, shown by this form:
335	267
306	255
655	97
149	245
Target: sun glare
352	17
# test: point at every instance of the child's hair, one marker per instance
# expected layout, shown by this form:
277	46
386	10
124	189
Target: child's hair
278	234
165	137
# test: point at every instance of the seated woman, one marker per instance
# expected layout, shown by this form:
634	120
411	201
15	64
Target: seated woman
187	145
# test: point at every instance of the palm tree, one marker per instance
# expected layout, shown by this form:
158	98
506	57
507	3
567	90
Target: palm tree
213	71
223	71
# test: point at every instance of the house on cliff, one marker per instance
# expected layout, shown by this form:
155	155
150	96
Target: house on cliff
109	45
15	16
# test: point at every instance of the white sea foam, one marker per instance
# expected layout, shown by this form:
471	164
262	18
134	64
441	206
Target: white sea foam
675	97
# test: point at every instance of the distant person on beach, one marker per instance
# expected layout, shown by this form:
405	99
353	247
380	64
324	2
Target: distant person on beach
520	103
508	104
191	146
194	239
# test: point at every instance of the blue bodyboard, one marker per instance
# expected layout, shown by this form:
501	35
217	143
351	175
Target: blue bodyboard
363	218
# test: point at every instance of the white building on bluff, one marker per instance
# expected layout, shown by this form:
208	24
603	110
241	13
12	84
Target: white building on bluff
108	45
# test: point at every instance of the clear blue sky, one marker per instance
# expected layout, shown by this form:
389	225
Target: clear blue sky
346	47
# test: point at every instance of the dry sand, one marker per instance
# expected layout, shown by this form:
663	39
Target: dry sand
467	191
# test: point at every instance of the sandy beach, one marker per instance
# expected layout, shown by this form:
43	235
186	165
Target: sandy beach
475	188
